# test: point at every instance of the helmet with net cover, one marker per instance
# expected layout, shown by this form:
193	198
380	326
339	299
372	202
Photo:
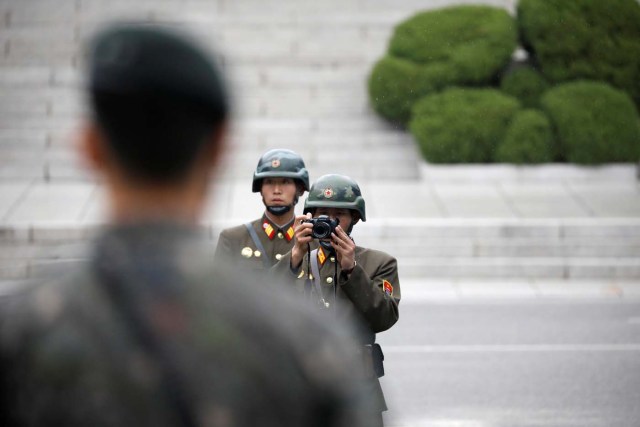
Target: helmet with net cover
335	191
280	163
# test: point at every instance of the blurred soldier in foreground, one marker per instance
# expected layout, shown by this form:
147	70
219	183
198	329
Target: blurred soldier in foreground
348	282
281	177
145	333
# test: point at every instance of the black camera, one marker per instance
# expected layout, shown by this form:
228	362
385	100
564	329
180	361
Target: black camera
323	226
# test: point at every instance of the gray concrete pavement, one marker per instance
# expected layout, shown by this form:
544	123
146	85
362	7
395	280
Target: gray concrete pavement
505	362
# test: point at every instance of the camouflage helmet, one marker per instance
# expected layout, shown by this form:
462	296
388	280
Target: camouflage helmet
280	163
335	191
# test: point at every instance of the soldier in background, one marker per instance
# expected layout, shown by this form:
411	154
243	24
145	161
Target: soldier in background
349	282
147	332
281	177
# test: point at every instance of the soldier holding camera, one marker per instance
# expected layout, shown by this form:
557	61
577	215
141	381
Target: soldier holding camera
281	177
353	283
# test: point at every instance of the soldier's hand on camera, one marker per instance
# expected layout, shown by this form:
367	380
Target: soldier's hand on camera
345	249
302	237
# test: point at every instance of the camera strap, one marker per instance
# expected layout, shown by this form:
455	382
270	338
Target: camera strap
259	246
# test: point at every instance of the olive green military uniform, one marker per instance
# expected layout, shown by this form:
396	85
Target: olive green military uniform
236	245
370	294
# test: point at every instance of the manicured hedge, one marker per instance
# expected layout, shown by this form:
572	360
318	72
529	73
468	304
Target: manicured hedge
461	125
594	122
396	84
584	39
529	139
526	84
460	45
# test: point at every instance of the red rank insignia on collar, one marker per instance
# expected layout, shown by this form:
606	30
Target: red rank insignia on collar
268	229
386	287
289	234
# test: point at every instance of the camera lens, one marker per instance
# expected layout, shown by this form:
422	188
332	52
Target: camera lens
321	230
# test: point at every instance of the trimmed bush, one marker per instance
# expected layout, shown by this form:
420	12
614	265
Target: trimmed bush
528	139
473	41
594	122
461	45
462	125
584	39
526	84
394	86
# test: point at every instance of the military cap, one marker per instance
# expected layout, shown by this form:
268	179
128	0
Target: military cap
146	59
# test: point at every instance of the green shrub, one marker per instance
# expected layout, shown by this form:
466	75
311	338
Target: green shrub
462	125
475	42
526	84
528	139
594	122
584	39
462	45
394	86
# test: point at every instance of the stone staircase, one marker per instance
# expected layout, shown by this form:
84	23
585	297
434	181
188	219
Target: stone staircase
298	73
425	248
504	248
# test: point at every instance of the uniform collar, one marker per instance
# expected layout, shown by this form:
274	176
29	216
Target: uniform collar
272	230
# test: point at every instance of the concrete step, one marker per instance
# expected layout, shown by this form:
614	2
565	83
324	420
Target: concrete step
435	267
579	248
520	248
521	268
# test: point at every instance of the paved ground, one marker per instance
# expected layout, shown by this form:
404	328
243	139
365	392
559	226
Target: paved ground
515	361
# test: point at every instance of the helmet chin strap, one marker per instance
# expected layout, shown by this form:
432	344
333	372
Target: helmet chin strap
279	210
326	245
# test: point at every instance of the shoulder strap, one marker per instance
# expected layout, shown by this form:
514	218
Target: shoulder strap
254	236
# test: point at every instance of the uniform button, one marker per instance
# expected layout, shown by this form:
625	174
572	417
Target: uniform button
246	252
329	279
332	259
278	257
257	254
280	235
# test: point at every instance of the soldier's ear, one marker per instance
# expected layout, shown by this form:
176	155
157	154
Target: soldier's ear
91	147
215	147
299	189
